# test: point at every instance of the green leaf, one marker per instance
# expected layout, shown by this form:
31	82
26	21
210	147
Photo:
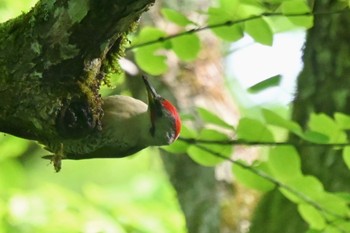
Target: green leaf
346	156
265	84
205	153
244	9
332	229
284	163
146	57
308	186
203	157
321	123
297	7
259	30
325	125
342	120
149	62
274	119
186	47
312	216
12	146
253	130
229	5
231	32
209	117
176	17
344	195
11	168
228	14
281	24
251	179
179	146
148	34
333	203
315	137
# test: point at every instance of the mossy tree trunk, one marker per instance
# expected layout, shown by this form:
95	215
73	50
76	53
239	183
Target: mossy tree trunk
323	86
53	60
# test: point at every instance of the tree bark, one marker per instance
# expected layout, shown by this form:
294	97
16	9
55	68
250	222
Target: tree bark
196	188
53	61
201	195
323	86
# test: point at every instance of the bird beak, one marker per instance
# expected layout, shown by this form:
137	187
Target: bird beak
151	92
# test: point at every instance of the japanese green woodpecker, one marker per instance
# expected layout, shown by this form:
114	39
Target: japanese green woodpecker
128	126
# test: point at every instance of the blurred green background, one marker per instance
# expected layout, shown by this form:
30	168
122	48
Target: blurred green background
100	195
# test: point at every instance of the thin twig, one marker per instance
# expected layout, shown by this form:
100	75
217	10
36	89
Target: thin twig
281	185
261	143
232	22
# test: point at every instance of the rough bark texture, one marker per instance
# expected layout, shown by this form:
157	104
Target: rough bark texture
323	86
53	60
197	192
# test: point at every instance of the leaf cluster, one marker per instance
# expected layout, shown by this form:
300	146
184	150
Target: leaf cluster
215	142
107	201
281	167
229	21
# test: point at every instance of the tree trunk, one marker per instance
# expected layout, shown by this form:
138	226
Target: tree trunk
201	195
53	60
197	192
323	86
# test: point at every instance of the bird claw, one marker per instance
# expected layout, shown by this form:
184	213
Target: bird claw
56	159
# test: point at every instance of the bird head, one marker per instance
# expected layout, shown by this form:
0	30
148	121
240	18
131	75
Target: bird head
165	120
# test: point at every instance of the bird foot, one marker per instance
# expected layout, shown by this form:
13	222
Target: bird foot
56	159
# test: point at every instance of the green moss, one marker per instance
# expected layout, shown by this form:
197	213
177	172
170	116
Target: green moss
69	51
36	47
42	10
77	10
111	64
47	5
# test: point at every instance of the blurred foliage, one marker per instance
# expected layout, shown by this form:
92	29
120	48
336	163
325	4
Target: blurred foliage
281	167
125	195
133	194
10	9
229	20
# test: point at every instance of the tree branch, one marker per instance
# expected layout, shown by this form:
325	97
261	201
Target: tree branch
53	60
262	143
230	23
